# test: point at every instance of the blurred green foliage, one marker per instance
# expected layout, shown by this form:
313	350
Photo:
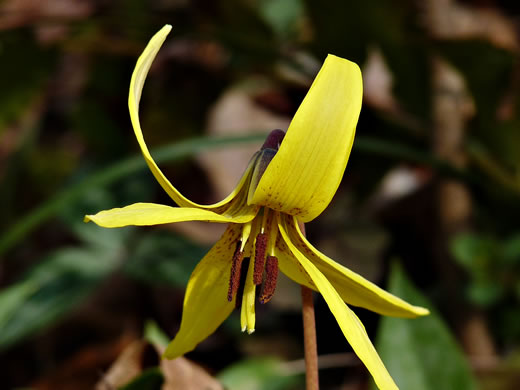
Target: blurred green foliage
260	373
150	379
492	265
52	289
19	92
493	282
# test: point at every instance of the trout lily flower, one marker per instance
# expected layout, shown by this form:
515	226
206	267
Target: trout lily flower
290	181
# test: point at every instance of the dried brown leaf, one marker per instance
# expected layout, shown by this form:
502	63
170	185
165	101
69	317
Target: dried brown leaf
126	367
182	374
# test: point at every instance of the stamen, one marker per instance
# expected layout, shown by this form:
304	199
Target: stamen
273	140
234	278
241	282
260	250
271	276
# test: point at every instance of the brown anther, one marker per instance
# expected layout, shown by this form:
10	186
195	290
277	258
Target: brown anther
234	278
271	276
242	282
260	249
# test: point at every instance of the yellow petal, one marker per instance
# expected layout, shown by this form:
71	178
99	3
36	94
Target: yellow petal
136	87
146	214
305	173
350	325
290	266
352	287
205	303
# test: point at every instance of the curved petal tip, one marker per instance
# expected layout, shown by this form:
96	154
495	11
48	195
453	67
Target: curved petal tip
421	311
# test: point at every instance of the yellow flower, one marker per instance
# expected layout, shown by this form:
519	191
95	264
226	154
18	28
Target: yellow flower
286	183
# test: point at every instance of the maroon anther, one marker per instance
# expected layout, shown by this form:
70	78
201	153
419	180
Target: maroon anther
273	140
234	278
271	276
260	249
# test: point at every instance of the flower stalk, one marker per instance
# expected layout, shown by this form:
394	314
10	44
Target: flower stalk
310	343
309	340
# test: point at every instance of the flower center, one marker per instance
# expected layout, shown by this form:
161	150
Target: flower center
254	262
260	252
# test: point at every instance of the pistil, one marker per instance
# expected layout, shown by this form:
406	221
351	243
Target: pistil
241	282
247	314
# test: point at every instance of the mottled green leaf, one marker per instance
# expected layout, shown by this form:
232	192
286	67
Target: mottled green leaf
421	354
258	374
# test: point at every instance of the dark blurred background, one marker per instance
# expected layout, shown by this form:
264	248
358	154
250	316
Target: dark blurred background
428	207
